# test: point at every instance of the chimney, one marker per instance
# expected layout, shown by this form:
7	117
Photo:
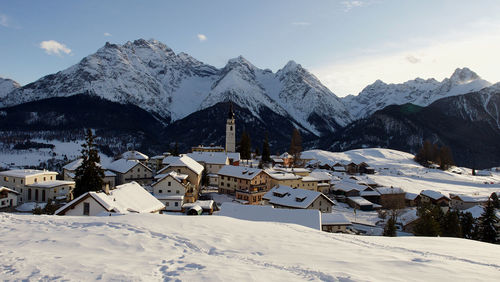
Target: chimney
106	188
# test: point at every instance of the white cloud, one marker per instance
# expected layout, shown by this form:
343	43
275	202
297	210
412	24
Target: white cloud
107	34
438	58
348	5
301	23
53	47
4	20
202	37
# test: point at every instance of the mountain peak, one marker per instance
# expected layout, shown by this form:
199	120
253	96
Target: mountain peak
464	75
239	61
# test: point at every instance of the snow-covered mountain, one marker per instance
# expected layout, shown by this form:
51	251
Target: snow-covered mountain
151	75
7	86
419	92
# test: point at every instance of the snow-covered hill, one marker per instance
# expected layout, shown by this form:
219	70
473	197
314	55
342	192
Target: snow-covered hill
7	86
217	248
398	169
151	75
419	92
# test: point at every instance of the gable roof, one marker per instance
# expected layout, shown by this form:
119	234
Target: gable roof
390	190
73	165
25	172
2	188
433	194
296	198
239	171
183	161
210	157
51	184
334	219
134	155
123	165
173	174
470	199
127	198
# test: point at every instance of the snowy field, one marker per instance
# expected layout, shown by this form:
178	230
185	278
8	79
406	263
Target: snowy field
398	169
214	248
33	157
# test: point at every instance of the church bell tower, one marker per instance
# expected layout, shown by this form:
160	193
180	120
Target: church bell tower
230	131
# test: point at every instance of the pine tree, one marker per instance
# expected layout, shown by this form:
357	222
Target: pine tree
450	226
488	224
390	227
445	158
245	146
175	151
296	147
467	224
494	199
428	222
266	152
89	175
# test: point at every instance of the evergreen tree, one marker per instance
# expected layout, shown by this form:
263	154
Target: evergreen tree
445	158
89	175
467	224
175	151
450	226
245	146
488	224
494	199
204	178
266	152
428	222
296	147
390	227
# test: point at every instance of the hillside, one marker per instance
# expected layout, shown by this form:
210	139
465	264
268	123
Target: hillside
216	248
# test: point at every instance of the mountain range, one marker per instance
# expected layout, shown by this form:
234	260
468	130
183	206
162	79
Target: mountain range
187	100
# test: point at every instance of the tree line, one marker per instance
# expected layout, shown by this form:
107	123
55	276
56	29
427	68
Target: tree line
431	153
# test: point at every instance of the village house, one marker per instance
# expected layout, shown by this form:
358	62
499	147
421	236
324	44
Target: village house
364	168
323	181
212	162
8	197
69	172
370	194
412	199
131	170
209	149
291	198
57	190
185	165
247	184
126	198
334	223
278	178
361	203
391	197
170	189
199	207
135	155
155	162
463	202
435	198
348	188
19	179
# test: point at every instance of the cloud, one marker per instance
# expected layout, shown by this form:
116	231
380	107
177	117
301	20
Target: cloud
107	34
301	23
438	58
412	59
4	20
348	5
202	37
53	47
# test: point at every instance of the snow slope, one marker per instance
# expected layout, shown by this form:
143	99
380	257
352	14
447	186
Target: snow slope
215	248
7	86
419	92
398	169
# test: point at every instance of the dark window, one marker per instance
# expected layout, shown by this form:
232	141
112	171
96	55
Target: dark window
86	208
29	194
43	195
44	178
36	195
176	204
169	183
36	180
160	191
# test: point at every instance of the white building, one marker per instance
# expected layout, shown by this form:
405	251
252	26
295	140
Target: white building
131	170
290	198
19	179
170	189
127	198
8	197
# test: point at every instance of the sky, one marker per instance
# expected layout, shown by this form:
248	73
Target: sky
347	44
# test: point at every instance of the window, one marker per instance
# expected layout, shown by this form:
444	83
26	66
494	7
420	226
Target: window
228	185
177	192
36	195
176	204
145	175
55	190
29	194
178	170
231	128
160	191
6	179
169	191
21	182
169	183
167	204
86	208
43	195
36	180
14	180
51	177
222	184
138	170
44	178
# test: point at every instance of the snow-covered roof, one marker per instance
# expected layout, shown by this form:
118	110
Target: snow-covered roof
51	183
390	190
8	190
276	160
365	193
184	161
158	157
408	217
220	158
347	185
170	197
433	194
125	198
179	177
108	173
360	201
304	217
280	175
134	155
483	173
290	197
292	169
234	156
123	165
470	199
285	155
73	165
26	172
309	179
321	175
239	171
206	205
411	196
334	219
